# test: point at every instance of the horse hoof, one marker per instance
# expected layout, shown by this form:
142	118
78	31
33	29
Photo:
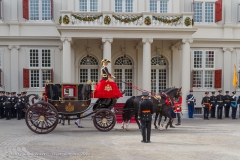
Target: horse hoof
162	125
156	127
122	127
127	129
160	129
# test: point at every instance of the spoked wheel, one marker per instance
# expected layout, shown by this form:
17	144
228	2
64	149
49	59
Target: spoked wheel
104	120
41	117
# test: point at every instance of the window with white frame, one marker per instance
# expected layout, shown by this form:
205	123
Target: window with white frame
40	66
158	74
40	10
88	5
158	6
0	58
88	69
203	69
123	5
124	72
204	12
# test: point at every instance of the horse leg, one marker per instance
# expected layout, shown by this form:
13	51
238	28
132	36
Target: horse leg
164	121
123	124
156	116
159	121
127	125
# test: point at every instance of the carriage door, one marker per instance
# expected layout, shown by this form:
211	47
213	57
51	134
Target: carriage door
159	74
88	69
123	71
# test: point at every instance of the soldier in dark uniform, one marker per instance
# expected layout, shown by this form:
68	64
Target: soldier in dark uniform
191	101
14	101
219	104
213	104
2	104
24	99
8	106
19	106
227	103
206	105
145	112
234	101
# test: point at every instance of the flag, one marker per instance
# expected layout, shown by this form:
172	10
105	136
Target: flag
235	79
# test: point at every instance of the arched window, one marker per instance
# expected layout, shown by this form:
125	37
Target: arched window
88	69
158	74
123	71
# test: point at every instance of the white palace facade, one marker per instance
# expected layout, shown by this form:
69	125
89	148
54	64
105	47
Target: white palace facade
152	44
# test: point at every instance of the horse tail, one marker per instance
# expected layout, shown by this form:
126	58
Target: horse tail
129	103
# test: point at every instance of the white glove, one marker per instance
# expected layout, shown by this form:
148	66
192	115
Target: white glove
217	105
225	104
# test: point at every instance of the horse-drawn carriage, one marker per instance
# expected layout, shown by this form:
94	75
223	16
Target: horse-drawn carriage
69	100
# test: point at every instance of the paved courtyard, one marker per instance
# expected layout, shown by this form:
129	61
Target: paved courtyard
194	139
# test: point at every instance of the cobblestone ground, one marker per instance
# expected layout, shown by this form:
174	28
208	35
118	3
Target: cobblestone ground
194	139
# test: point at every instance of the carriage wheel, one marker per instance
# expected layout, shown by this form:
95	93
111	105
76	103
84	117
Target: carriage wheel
41	117
104	120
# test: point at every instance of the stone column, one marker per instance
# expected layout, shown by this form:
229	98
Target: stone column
67	60
227	68
228	28
146	70
176	62
186	69
14	24
107	51
14	74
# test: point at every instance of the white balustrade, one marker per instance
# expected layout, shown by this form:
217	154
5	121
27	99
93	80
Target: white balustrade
126	19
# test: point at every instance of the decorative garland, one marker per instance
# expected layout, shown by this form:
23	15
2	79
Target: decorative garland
88	19
127	20
167	20
107	20
66	19
187	21
147	20
60	20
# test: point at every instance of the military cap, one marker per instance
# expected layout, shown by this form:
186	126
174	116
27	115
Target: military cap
106	60
145	94
13	92
19	94
227	91
220	91
191	90
7	92
213	92
234	92
206	92
3	92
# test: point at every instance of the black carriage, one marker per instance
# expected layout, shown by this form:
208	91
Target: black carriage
42	117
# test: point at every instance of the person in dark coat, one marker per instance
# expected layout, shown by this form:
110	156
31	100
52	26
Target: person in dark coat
8	106
219	104
213	105
19	106
227	104
191	101
145	112
234	104
206	105
2	100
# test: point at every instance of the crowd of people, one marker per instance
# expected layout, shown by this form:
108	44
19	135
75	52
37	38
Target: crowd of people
213	103
11	106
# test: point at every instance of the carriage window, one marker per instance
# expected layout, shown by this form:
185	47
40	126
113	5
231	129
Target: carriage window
158	74
203	69
69	92
124	72
88	69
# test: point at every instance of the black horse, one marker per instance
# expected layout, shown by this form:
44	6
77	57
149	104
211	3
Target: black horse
160	106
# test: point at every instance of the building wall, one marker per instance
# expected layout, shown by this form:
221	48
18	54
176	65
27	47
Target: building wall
25	34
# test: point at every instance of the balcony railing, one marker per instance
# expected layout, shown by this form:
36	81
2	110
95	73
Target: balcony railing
126	19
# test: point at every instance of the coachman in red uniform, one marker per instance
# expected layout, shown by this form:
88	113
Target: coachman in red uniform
106	88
